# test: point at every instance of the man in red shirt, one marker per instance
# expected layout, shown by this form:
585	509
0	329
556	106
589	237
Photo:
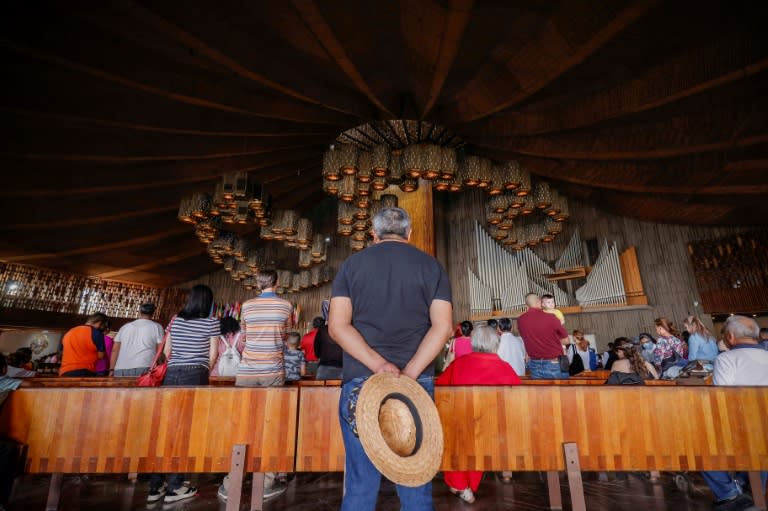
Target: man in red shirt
308	341
544	337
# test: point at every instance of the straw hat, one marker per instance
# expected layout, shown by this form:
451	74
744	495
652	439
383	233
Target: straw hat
400	429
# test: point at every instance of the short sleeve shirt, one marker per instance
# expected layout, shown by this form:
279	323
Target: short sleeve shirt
191	340
541	333
391	286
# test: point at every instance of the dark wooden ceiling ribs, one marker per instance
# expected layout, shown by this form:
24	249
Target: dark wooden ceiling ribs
98	177
187	87
453	26
516	72
114	112
237	44
712	125
315	22
716	64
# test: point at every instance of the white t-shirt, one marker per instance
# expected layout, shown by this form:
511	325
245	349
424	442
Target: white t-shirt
138	343
512	351
742	366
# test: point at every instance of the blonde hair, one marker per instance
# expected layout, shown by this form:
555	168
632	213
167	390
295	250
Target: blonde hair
698	326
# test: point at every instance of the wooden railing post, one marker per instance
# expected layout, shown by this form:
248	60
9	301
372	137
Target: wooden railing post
236	470
575	483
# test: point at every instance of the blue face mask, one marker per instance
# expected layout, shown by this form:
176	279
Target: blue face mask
647	345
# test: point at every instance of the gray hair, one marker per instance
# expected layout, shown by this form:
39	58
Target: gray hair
485	340
742	327
392	222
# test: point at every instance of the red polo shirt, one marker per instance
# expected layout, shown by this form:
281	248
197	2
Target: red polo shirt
541	333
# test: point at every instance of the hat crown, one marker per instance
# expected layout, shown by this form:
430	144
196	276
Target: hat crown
397	426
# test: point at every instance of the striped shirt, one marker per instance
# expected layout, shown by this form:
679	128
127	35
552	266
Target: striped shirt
265	321
191	340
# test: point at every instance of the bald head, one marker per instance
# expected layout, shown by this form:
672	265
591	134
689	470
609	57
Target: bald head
741	330
533	301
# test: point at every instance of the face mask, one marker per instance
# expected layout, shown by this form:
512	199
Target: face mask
647	345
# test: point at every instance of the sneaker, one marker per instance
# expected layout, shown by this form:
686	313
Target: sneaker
222	493
274	491
466	494
155	495
740	502
181	493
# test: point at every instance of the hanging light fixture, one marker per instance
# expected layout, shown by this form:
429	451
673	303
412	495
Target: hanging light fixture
542	195
349	159
318	245
485	173
347	188
346	213
409	184
564	212
379	183
305	259
364	171
380	161
524	188
496	185
472	170
331	165
512	175
414	157
433	157
304	233
448	164
396	169
185	210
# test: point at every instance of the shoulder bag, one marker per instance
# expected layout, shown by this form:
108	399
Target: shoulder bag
450	356
154	377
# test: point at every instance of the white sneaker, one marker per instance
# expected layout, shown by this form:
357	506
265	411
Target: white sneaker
158	494
276	490
222	493
466	494
181	493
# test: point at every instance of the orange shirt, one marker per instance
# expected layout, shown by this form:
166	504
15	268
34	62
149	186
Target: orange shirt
80	347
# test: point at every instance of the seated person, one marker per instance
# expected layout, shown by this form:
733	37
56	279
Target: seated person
587	357
295	362
630	361
480	367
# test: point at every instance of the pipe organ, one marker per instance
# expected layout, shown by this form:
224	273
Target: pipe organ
505	277
605	285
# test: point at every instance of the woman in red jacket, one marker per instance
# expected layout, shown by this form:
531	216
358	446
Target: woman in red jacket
480	367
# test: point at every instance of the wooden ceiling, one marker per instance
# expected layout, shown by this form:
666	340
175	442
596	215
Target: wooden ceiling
113	111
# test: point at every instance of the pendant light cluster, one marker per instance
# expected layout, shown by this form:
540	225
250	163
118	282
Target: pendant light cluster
518	218
236	200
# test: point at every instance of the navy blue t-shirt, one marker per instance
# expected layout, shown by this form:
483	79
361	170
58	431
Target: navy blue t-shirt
391	285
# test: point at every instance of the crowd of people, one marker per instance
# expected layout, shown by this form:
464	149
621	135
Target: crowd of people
363	331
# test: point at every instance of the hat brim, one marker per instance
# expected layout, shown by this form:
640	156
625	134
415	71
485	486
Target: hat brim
421	466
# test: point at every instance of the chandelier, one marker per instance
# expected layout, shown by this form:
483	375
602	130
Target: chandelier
236	201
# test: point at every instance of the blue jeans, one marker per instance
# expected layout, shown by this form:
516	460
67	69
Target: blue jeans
187	375
724	486
361	478
546	369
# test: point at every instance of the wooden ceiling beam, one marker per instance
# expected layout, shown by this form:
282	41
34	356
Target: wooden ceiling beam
176	258
623	178
115	179
454	24
214	96
315	22
202	47
102	247
167	130
87	220
533	66
722	62
550	149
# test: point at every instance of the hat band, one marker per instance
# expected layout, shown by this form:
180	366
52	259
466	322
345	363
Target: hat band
414	413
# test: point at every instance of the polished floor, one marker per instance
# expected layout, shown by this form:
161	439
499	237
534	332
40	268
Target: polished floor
311	492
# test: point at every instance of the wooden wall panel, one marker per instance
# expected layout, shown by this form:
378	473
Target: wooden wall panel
152	429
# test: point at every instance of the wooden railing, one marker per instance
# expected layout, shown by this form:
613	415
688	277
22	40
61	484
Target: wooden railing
552	427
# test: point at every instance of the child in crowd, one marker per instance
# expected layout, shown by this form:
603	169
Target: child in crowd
548	305
295	362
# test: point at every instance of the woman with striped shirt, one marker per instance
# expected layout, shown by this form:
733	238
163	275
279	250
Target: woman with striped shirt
188	350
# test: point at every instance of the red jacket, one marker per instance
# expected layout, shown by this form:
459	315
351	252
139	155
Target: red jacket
478	369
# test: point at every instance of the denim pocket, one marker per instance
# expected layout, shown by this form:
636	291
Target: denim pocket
350	393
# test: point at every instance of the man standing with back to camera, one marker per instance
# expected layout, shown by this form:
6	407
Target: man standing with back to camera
391	312
544	337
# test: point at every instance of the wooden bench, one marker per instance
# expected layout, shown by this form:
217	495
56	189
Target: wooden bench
167	429
572	428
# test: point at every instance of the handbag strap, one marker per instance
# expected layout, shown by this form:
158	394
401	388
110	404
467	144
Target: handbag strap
161	348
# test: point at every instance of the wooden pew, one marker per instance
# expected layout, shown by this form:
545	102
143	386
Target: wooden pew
572	427
162	429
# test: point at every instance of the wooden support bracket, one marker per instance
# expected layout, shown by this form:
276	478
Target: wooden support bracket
758	492
257	492
575	483
54	492
553	484
236	470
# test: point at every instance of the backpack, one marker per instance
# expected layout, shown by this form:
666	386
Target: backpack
577	364
230	359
